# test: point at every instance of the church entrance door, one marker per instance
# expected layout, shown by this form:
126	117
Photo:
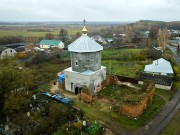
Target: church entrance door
77	90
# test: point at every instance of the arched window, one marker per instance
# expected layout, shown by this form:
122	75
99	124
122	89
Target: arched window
76	63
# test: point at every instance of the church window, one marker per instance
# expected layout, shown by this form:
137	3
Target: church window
76	63
72	86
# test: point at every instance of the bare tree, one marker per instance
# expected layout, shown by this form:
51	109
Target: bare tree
49	36
162	38
153	33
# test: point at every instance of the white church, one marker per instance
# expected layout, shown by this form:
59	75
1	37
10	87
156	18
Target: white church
86	66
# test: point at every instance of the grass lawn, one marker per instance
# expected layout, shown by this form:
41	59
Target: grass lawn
176	85
114	92
123	61
173	128
165	94
123	68
117	53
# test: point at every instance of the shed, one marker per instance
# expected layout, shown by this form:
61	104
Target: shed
161	66
46	44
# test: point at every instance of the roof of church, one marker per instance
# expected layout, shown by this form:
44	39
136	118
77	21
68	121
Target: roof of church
84	44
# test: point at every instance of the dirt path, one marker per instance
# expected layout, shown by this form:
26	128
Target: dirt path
55	88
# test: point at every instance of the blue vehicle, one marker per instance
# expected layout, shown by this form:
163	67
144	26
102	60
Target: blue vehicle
59	97
47	94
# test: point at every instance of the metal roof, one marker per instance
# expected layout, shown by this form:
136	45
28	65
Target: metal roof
50	42
2	49
84	44
159	66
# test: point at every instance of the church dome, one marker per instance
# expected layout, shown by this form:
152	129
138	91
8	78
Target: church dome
84	44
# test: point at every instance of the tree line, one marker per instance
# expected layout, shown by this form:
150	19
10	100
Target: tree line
11	40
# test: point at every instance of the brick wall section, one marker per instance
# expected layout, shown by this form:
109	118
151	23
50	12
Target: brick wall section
110	80
86	98
127	79
129	110
135	111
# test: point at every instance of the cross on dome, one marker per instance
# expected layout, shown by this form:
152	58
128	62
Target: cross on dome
84	30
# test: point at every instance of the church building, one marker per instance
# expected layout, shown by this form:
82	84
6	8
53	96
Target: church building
86	66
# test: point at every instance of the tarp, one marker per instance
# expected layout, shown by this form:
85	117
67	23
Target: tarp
60	78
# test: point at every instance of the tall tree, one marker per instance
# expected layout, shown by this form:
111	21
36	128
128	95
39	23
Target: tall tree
153	33
162	38
49	36
62	34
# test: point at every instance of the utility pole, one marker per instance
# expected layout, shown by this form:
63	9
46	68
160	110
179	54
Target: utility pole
110	66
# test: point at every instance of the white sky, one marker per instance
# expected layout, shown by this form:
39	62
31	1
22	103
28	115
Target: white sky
92	10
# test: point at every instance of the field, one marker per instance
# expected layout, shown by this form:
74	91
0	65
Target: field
41	30
25	33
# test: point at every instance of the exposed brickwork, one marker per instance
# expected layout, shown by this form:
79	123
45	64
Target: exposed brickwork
135	111
86	98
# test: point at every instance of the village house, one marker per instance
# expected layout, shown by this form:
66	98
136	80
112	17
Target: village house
46	44
146	34
86	69
7	52
99	39
160	71
109	40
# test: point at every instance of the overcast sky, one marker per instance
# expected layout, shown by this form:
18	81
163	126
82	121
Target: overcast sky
92	10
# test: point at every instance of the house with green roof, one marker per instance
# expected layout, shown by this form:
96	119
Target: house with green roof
46	44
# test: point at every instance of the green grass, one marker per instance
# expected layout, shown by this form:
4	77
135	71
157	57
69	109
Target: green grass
114	92
176	85
123	60
165	94
118	53
123	68
173	128
74	31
